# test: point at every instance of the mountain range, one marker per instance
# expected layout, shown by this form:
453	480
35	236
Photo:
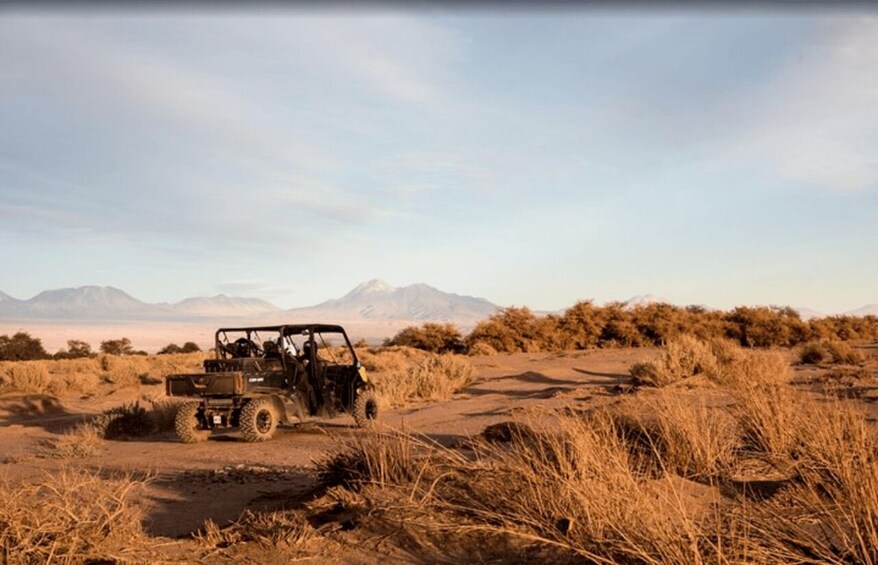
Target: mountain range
374	300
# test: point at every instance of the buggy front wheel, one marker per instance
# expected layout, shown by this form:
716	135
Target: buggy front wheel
366	408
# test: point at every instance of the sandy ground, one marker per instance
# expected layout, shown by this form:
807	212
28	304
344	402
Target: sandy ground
222	477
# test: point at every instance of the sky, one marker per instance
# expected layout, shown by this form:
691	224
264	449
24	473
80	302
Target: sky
530	157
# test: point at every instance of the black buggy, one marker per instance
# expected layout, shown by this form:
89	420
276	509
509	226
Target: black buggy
261	376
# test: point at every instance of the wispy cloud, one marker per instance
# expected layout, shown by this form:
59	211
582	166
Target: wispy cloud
815	122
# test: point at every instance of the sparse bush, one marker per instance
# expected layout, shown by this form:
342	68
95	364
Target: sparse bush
173	348
682	358
436	377
123	371
432	337
837	352
21	347
481	348
843	353
83	440
117	347
30	376
813	353
684	435
509	331
393	359
71	517
135	420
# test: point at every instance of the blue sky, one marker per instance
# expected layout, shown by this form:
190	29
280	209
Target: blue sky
532	158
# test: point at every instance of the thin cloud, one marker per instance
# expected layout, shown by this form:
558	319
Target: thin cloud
814	124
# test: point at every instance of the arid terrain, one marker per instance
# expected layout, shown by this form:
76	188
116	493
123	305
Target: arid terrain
306	495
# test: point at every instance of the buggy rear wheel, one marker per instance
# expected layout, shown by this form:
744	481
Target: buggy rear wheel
188	425
366	408
258	419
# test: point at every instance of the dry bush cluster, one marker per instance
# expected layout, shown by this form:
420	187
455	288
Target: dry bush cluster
834	352
403	374
718	360
87	375
747	470
71	517
586	325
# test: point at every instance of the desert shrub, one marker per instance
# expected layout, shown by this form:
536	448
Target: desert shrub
619	329
432	337
83	440
766	326
842	352
76	349
173	348
581	325
136	420
813	353
683	434
71	517
120	346
123	371
719	360
385	458
434	378
682	358
392	359
481	348
659	323
21	347
29	376
816	352
753	368
510	330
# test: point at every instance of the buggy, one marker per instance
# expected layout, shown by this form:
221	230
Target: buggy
262	376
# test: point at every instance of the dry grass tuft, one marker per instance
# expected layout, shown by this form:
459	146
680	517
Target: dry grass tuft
685	357
25	376
71	517
835	352
681	433
720	361
83	440
284	529
434	377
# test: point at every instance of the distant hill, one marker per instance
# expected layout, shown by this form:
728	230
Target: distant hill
377	300
644	300
808	314
83	303
222	305
868	310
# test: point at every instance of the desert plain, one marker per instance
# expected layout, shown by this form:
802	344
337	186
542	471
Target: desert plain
572	456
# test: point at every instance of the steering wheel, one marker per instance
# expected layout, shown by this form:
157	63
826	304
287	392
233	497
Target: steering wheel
243	347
